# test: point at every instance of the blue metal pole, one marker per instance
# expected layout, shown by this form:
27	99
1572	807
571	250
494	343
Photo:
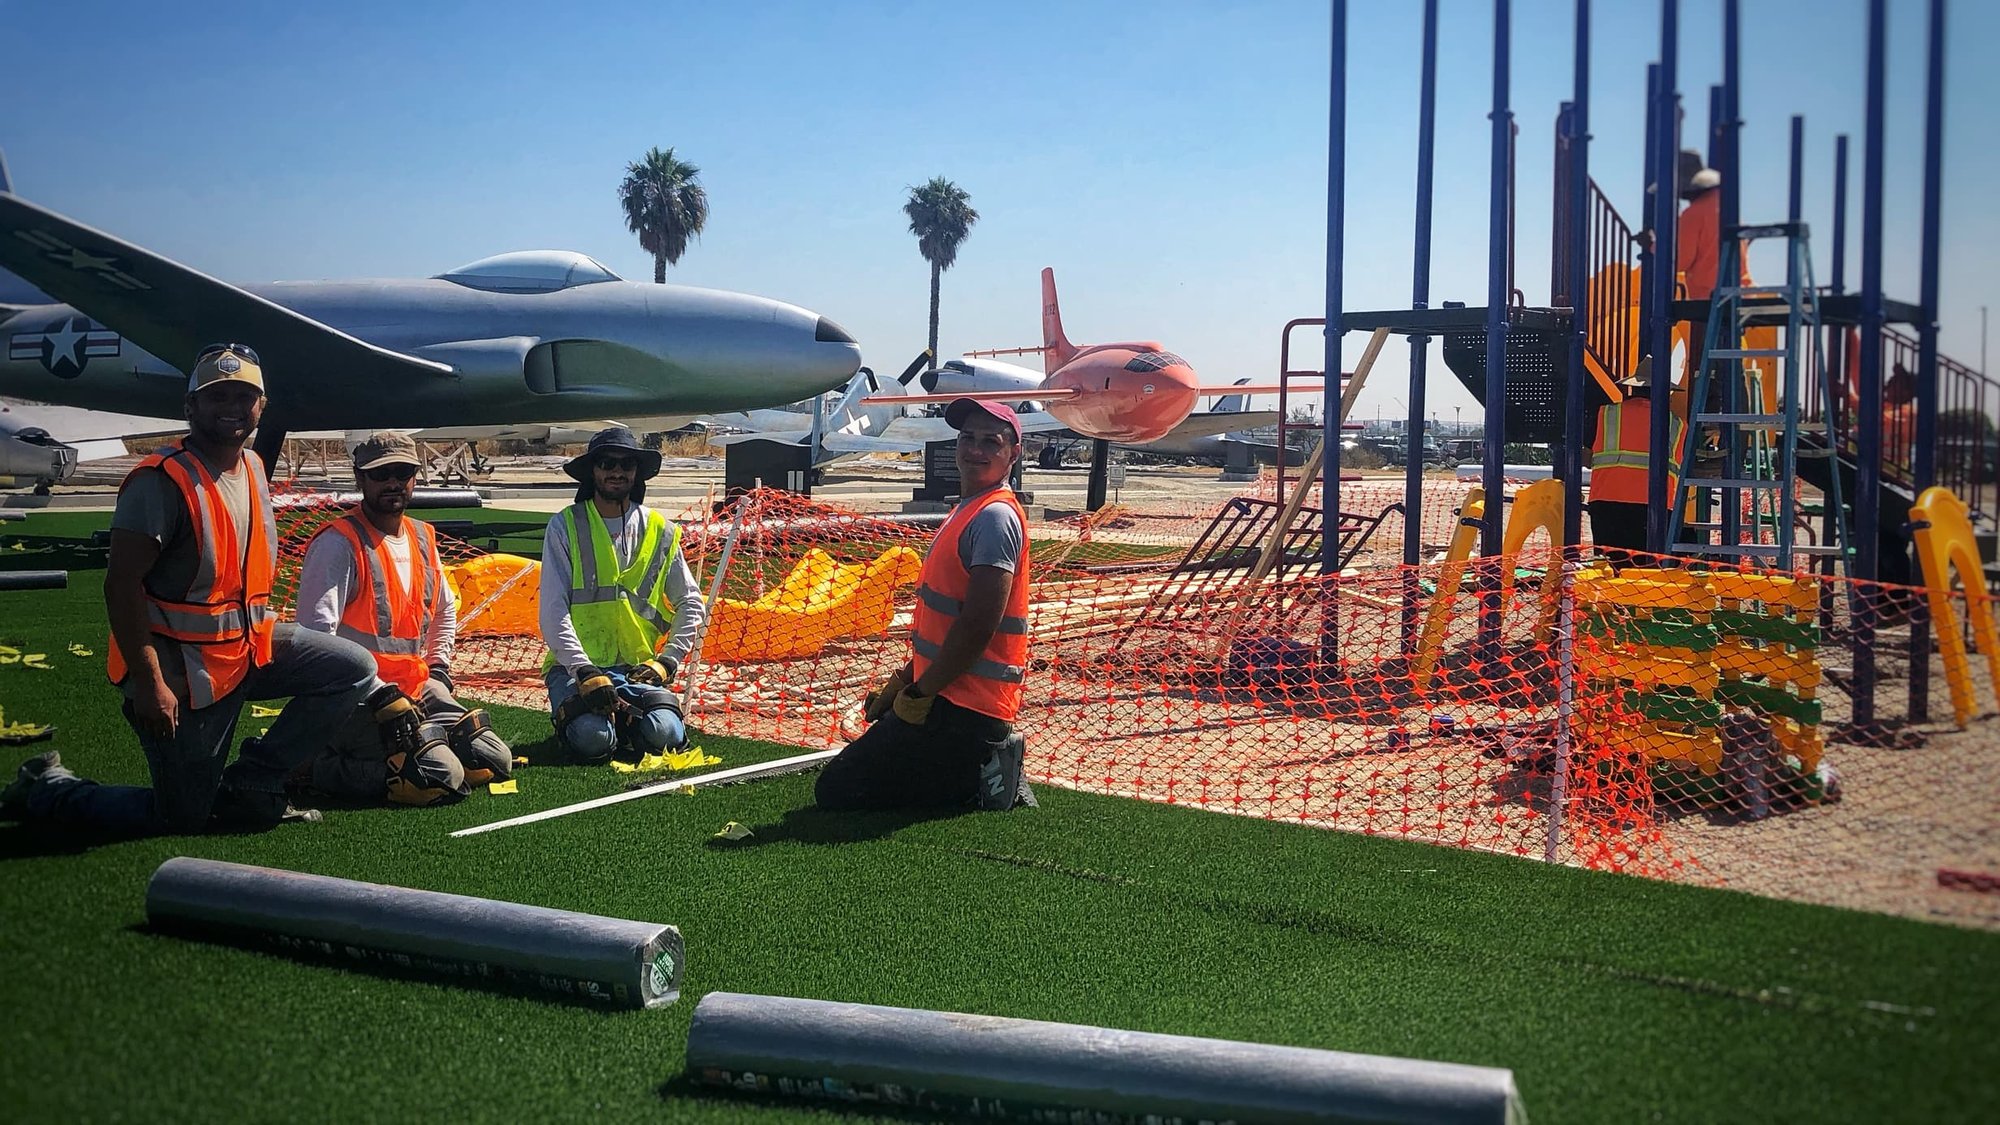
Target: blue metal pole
1868	426
1666	213
1648	328
1496	287
1420	291
1839	279
1834	409
1924	464
1420	297
1336	238
1729	215
1796	185
1576	438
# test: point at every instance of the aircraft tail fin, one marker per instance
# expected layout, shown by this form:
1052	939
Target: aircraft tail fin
6	184
1056	348
1233	404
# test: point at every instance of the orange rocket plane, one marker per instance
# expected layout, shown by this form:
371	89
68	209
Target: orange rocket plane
1130	393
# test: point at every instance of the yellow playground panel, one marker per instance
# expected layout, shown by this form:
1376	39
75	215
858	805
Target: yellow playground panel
1950	555
1680	647
821	600
1538	507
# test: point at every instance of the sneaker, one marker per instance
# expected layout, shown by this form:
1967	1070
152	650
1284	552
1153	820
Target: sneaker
14	798
1000	779
247	810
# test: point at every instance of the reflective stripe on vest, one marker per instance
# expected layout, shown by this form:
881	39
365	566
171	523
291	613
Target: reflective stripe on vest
223	626
992	684
385	613
1619	463
620	617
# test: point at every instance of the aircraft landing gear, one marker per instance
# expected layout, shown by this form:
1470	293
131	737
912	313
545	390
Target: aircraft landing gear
1050	457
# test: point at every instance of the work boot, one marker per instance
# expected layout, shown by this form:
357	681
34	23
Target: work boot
14	798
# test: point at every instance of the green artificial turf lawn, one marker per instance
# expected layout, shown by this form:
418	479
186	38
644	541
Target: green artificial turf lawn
1612	999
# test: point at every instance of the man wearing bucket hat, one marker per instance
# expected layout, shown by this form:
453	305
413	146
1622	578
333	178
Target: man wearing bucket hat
941	733
187	588
619	608
1619	467
374	577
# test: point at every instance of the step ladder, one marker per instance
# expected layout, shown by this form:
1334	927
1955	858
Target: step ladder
1759	449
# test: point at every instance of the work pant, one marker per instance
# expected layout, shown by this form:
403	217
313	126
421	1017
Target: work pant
324	676
1618	529
355	766
895	765
650	723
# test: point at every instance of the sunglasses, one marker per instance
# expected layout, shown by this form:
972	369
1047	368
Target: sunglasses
390	472
613	464
218	349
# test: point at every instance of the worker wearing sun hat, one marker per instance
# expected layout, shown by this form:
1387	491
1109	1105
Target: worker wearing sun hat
619	607
942	732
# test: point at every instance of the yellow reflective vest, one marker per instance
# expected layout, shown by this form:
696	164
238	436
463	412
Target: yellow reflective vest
620	616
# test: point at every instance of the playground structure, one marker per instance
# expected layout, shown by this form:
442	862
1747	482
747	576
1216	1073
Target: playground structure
1443	662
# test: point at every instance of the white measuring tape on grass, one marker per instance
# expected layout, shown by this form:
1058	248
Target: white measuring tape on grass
674	785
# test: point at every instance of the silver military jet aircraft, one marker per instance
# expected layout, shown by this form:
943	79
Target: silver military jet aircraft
534	336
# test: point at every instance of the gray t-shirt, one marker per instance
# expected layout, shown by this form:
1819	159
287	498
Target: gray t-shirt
992	538
151	505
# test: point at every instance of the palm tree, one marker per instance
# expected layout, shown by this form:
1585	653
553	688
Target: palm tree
665	205
941	215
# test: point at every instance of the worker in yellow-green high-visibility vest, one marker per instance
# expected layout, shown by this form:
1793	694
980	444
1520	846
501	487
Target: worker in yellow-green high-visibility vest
619	608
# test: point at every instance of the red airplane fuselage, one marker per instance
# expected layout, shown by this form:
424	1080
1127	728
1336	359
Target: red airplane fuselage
1132	393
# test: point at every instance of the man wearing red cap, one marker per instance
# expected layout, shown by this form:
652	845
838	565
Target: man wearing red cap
941	733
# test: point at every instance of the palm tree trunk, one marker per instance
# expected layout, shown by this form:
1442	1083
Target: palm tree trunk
659	269
935	274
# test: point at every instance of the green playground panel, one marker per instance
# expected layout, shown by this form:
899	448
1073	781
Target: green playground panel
1762	627
1771	700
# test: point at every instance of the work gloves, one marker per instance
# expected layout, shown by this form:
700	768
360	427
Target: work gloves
657	672
879	701
397	719
912	708
596	689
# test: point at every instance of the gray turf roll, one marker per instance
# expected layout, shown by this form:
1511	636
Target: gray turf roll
611	962
1030	1070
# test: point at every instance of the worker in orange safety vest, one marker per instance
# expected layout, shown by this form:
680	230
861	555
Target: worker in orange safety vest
1620	465
942	731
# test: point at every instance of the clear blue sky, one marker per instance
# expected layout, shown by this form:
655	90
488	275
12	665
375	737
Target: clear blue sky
1168	159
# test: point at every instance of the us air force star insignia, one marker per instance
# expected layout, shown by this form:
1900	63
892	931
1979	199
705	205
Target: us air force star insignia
228	364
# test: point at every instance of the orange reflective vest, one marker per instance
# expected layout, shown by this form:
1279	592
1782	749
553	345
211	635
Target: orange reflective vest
389	613
992	686
1618	459
223	626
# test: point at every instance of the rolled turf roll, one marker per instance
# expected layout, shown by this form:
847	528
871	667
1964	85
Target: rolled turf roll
34	579
1013	1069
605	962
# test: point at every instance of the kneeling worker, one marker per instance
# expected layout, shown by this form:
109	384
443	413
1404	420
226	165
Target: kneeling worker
374	577
620	609
942	732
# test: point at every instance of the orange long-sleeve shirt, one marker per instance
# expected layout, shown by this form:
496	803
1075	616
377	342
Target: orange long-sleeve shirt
1695	246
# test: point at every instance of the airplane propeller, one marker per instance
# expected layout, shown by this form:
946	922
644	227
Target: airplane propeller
916	367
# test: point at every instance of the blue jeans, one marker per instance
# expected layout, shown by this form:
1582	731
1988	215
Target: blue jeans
650	726
325	676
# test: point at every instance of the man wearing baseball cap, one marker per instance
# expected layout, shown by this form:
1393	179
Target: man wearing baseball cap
187	588
374	577
941	733
619	608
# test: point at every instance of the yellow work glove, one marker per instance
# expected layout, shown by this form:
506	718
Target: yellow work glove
658	672
882	698
912	708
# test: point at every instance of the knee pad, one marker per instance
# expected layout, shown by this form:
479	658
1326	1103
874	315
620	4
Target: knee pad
485	756
651	731
427	776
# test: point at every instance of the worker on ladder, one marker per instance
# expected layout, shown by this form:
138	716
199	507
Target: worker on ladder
1618	467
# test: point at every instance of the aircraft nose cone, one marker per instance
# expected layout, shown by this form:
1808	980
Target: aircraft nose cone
827	332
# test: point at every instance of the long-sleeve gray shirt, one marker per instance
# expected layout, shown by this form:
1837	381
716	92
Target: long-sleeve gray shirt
327	579
627	533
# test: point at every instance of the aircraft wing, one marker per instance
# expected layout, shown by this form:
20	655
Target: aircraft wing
920	430
93	433
785	437
1203	424
863	443
173	311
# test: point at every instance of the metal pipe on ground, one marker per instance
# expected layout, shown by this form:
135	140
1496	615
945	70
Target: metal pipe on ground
1024	1069
34	579
604	962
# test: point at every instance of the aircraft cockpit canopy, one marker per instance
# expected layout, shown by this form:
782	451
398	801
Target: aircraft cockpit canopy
531	271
